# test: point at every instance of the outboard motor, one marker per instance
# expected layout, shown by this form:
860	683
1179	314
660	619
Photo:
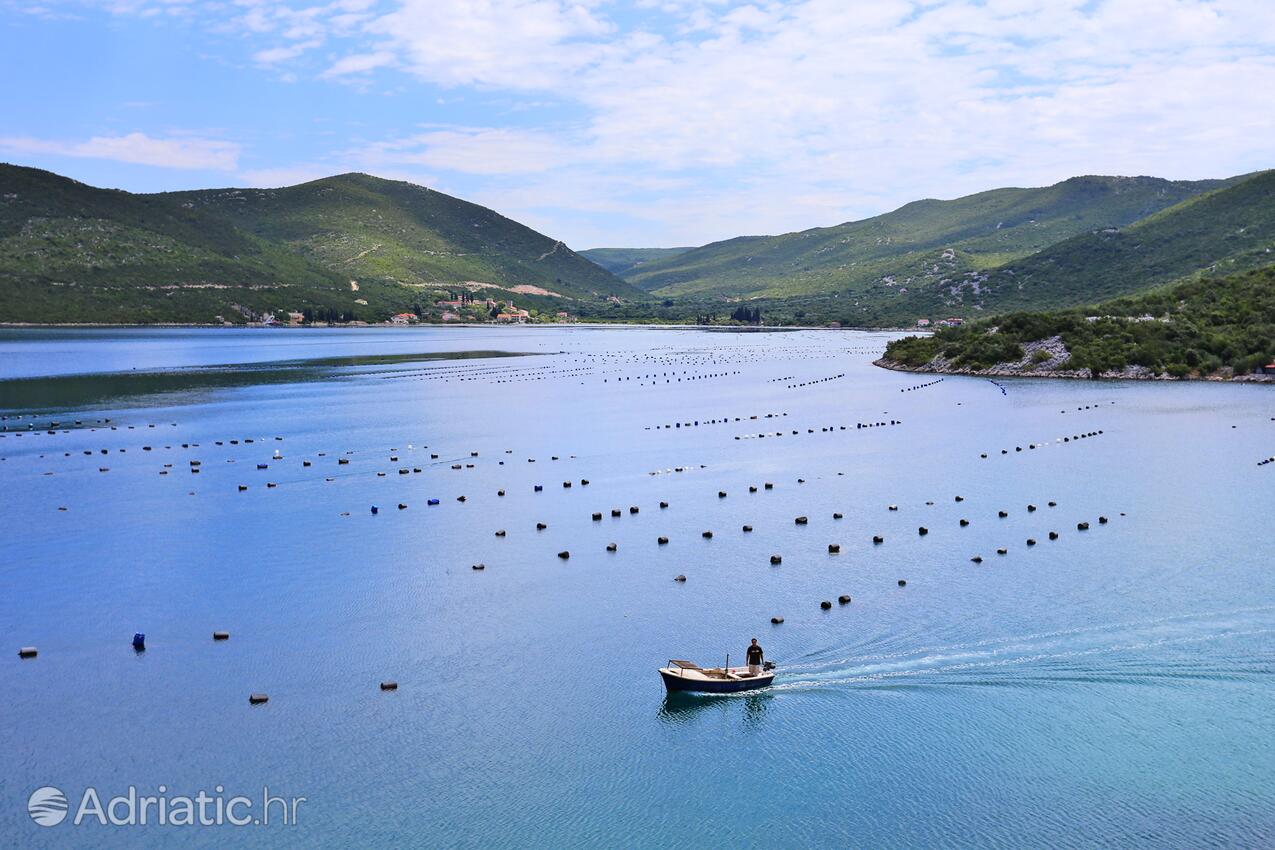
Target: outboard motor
768	666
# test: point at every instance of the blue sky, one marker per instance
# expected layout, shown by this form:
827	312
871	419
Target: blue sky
643	122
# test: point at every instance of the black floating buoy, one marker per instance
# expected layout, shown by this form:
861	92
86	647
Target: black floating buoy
257	699
964	522
825	605
1102	520
836	515
878	539
748	528
834	548
721	494
1031	541
752	488
402	506
801	520
1002	514
1082	526
978	559
769	486
566	485
922	531
960	498
1053	535
1002	551
776	620
663	504
540	526
28	652
477	567
661	540
611	547
389	686
633	509
460	498
1052	504
679	578
707	535
539	488
776	560
139	641
597	516
903	583
375	510
894	507
221	635
564	554
843	599
500	533
500	492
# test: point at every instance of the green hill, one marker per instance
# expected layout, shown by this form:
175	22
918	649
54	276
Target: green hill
366	227
929	244
624	262
353	245
1226	230
1209	326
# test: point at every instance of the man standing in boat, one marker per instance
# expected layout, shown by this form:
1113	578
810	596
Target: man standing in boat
754	659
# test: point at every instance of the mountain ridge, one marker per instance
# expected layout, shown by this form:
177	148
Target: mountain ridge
352	246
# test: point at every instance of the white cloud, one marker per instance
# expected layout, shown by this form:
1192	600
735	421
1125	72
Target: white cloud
359	63
687	120
474	150
184	152
276	55
518	44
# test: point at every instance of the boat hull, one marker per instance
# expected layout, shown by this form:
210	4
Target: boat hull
696	685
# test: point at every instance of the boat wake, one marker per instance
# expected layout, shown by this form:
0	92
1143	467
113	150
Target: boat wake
1161	650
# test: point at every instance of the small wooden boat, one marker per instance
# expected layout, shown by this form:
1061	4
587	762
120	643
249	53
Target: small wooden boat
684	676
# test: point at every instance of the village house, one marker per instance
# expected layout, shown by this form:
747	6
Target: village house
922	323
295	319
450	317
404	318
1268	369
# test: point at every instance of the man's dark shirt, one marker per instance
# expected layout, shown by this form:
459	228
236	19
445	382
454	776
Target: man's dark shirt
754	654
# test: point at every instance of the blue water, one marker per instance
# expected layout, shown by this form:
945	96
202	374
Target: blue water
1111	688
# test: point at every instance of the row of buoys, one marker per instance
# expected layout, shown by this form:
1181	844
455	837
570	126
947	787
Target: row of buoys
816	381
695	423
1053	535
921	386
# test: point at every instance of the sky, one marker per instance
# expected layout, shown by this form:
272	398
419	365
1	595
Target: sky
634	123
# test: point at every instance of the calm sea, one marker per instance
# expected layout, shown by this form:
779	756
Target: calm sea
1112	687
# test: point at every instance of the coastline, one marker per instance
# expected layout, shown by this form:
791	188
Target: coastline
374	325
1005	371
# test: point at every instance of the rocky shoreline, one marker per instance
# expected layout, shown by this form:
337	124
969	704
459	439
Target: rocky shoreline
939	366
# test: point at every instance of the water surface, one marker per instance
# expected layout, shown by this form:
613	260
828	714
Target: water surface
1109	688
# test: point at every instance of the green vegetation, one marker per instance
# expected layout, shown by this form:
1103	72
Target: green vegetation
626	261
355	248
1224	231
351	248
1207	326
930	254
